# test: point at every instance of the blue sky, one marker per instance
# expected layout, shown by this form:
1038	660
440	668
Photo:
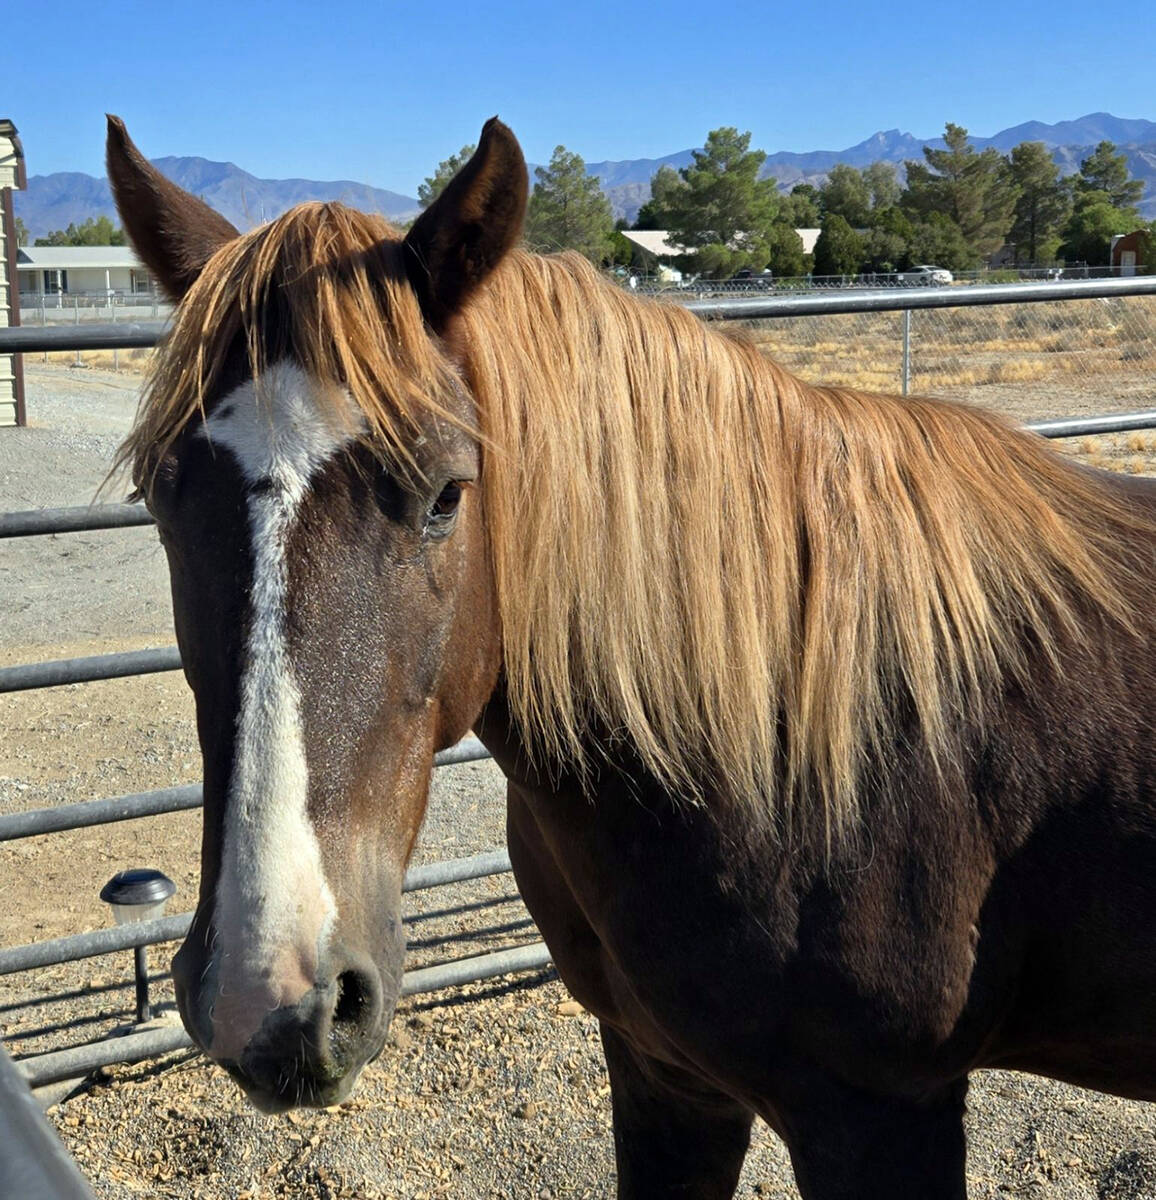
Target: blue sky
379	93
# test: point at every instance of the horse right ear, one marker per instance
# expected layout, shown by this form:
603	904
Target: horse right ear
469	228
174	233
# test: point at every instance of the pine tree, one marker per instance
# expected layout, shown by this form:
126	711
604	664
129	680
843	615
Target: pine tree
1042	205
975	191
1106	171
434	184
568	209
718	207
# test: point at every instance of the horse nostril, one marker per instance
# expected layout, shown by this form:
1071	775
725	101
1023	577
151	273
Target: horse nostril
354	998
354	1012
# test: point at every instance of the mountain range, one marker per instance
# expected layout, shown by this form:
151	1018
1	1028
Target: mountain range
69	197
54	201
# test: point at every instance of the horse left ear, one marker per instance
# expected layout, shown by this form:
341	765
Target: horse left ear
174	233
470	227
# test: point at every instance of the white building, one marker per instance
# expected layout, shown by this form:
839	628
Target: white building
84	270
659	251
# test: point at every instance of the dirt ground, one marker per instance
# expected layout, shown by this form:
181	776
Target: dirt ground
495	1090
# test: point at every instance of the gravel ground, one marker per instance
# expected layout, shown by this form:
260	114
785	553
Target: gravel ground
492	1090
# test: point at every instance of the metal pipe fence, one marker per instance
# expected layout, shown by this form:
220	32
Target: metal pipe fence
78	946
769	284
68	1063
87	813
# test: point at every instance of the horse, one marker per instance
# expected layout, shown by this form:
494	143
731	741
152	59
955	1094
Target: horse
826	716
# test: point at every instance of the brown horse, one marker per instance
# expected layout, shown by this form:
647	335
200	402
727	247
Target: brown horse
826	716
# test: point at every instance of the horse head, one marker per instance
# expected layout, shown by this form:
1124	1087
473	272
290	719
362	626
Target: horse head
331	586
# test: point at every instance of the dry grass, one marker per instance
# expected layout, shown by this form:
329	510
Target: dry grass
957	349
135	361
1132	453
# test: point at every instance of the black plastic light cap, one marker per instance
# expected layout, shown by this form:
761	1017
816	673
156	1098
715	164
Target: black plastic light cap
141	885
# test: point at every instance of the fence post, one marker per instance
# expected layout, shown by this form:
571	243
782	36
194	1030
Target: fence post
115	349
76	309
906	350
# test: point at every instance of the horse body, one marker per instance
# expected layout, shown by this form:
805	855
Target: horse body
984	924
830	769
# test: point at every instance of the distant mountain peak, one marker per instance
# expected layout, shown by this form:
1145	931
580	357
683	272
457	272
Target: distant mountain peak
67	197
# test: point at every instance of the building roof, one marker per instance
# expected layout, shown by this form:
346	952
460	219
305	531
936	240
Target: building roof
654	241
75	258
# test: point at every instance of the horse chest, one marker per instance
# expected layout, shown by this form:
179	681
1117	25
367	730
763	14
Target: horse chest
704	951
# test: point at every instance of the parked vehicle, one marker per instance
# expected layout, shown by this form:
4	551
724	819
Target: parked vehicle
753	278
927	275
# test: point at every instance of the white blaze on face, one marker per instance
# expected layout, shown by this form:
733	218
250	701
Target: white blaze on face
274	908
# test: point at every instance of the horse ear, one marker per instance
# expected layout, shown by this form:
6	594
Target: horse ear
174	233
468	229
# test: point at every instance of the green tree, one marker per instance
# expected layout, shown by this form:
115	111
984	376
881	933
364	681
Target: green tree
883	251
883	185
886	246
434	184
1043	203
847	195
1147	254
98	231
568	210
974	191
1088	233
22	234
806	202
665	187
939	240
784	251
620	252
717	207
801	208
839	250
1106	171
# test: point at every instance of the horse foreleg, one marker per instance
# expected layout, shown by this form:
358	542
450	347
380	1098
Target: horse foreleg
846	1145
673	1135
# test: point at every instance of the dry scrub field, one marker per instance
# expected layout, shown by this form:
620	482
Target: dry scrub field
494	1090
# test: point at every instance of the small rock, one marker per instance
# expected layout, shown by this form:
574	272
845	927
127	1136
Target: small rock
526	1111
569	1008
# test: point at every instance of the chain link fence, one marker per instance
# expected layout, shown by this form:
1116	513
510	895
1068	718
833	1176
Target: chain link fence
1031	361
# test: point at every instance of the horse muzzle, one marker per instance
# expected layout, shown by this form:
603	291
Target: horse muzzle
308	1052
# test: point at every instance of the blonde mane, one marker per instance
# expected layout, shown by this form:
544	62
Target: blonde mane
744	577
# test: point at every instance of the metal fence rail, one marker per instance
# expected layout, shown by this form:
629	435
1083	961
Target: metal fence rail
38	821
79	1060
130	335
29	338
83	518
78	946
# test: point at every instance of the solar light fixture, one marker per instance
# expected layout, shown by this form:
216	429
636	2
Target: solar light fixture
138	895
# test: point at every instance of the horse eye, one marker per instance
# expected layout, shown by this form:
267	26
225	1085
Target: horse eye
158	488
444	508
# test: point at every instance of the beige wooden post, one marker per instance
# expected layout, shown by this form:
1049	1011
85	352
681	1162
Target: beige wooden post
12	177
